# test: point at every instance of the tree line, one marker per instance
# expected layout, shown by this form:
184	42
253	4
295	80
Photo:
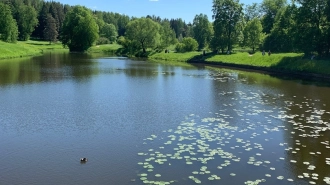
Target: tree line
276	25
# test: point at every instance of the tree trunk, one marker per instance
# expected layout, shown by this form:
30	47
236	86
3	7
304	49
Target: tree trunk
143	48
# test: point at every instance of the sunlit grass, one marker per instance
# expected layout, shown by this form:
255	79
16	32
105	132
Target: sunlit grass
107	48
33	48
43	44
179	57
257	59
306	65
295	62
282	61
25	48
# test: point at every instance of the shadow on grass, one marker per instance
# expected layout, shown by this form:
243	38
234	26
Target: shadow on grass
41	44
299	64
303	70
202	57
288	68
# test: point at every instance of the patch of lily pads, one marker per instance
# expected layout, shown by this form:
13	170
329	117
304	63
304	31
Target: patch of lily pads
228	136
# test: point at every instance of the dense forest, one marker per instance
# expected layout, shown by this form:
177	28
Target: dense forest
276	25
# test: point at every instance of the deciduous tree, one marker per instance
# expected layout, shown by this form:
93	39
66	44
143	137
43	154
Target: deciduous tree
227	14
282	36
144	32
79	30
252	11
202	30
312	23
27	21
8	25
270	9
167	35
253	34
110	32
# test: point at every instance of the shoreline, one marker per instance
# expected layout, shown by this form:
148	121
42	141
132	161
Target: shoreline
37	48
33	48
288	64
259	69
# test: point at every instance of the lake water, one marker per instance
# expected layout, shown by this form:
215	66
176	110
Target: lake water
141	122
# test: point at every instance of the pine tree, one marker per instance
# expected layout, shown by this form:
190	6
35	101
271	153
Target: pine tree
50	31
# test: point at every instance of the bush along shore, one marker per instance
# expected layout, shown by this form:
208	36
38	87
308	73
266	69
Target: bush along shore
295	64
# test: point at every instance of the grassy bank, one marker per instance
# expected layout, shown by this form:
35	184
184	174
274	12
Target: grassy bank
107	48
179	57
26	48
33	48
294	62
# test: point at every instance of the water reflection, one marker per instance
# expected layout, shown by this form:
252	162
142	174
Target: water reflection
67	106
303	109
18	71
48	67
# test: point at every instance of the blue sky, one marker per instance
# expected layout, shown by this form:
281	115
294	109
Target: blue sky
185	9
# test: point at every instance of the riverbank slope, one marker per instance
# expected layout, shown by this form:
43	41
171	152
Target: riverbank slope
26	48
34	48
289	63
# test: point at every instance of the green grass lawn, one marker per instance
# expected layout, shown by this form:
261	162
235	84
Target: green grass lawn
25	48
294	62
107	48
283	61
256	59
32	48
44	45
180	57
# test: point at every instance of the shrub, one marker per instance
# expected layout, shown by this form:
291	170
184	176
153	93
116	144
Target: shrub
102	40
180	47
190	44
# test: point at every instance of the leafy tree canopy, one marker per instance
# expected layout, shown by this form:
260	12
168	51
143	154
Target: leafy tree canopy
187	44
8	25
27	21
168	35
143	32
252	11
202	30
253	33
110	32
270	9
227	14
79	30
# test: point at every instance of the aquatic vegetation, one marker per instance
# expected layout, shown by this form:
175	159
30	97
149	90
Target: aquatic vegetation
242	133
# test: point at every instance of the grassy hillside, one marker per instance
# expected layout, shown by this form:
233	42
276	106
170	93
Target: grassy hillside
295	62
25	48
32	48
256	59
180	57
107	48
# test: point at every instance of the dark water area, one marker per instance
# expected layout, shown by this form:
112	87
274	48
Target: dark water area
142	122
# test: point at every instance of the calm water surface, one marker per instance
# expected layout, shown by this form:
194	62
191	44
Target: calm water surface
146	123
